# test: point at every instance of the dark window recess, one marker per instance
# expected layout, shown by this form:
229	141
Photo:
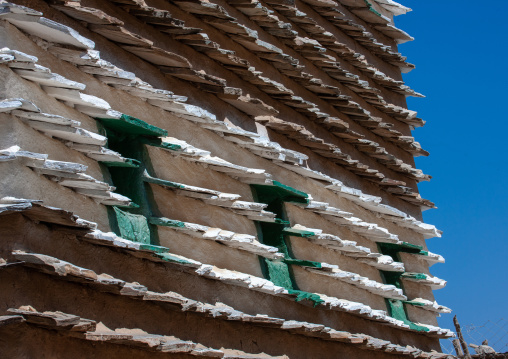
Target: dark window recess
396	307
272	234
127	136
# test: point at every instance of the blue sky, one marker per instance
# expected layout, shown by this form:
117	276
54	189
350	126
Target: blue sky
460	51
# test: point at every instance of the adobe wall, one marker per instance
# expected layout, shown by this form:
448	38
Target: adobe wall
168	167
19	180
22	234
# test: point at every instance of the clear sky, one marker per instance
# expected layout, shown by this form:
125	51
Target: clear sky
460	51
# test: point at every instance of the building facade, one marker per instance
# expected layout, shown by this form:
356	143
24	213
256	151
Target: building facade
225	178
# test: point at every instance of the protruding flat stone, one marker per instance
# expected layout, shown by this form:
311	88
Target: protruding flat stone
76	97
46	117
31	22
10	105
158	56
121	35
73	134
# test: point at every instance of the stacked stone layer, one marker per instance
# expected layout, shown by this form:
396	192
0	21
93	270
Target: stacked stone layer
247	162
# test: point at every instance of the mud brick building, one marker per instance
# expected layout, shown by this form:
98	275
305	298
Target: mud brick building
211	178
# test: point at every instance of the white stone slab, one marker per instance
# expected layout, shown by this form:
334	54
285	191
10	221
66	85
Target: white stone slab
6	58
108	71
46	78
10	105
45	117
61	166
76	97
31	22
76	57
68	133
25	104
86	184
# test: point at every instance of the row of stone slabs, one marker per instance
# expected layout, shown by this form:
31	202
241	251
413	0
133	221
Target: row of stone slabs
124	31
217	125
91	144
73	326
384	24
237	206
164	54
221	274
70	175
161	254
217	18
372	149
71	178
69	91
122	36
95	192
400	192
79	139
252	210
209	271
58	320
186	111
321	40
